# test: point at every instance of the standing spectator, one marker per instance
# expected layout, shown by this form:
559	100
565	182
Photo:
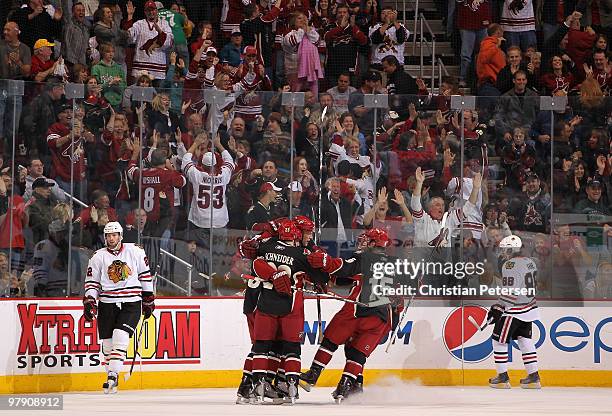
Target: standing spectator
388	37
51	262
516	108
107	29
514	59
68	149
176	22
35	171
93	219
39	115
341	92
594	203
43	66
530	210
559	79
601	71
257	31
260	211
491	60
12	205
110	75
75	36
518	159
518	22
231	15
35	23
371	84
473	18
152	37
39	211
251	76
232	51
161	118
342	40
300	32
336	212
398	80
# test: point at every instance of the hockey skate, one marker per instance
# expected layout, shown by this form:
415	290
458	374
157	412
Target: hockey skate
358	386
531	382
501	381
110	386
292	389
310	377
265	393
344	389
245	390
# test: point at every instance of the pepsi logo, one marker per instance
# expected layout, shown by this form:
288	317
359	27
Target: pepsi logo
475	345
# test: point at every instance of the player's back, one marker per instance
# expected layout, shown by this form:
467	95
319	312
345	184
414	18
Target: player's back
158	186
519	276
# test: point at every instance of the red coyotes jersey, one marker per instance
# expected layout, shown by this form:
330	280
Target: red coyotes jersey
157	183
248	104
62	155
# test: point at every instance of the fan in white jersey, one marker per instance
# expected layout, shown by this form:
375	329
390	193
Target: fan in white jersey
208	189
118	277
514	314
428	225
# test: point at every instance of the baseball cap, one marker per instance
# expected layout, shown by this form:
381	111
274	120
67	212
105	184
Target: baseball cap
159	5
41	43
268	186
373	76
208	159
594	182
236	32
250	50
211	49
296	186
150	5
41	183
532	175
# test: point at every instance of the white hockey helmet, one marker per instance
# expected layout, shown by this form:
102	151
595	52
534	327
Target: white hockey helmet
512	242
113	227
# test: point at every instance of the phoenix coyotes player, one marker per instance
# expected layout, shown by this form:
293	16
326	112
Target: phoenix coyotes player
514	314
118	287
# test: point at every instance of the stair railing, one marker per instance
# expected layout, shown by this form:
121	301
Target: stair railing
431	45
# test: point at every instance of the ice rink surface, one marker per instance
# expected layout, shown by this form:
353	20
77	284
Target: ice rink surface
398	399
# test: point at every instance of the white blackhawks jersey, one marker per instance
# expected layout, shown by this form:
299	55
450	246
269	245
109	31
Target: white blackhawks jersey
520	273
201	182
155	63
115	277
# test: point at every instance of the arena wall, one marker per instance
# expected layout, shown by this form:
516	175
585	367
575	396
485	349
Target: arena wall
200	342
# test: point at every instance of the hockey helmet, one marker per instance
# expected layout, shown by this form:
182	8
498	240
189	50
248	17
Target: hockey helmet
512	242
304	223
378	236
288	231
113	227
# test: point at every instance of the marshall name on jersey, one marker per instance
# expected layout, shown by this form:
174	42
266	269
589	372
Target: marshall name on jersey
520	273
118	276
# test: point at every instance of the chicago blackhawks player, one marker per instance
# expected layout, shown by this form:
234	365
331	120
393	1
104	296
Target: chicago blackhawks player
118	287
514	314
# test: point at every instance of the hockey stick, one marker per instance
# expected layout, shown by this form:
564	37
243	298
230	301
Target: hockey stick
479	327
443	232
319	321
329	295
127	376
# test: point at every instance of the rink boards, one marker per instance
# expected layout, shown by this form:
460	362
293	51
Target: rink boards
200	342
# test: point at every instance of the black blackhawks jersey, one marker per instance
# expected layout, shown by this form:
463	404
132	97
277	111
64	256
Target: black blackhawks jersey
358	271
293	260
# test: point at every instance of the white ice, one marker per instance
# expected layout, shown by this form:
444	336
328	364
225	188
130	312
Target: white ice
396	399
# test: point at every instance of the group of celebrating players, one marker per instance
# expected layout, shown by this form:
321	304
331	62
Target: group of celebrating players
285	264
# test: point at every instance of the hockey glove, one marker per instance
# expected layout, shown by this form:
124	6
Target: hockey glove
148	304
323	261
248	248
90	308
282	282
495	313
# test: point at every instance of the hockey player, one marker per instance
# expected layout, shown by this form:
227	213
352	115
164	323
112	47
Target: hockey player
513	316
118	287
359	328
282	268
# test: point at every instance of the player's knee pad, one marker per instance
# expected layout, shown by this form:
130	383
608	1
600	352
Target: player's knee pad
107	346
261	347
121	339
525	344
328	345
354	355
292	349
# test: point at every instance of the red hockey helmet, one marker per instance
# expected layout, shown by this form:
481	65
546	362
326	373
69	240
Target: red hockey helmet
304	223
378	236
288	231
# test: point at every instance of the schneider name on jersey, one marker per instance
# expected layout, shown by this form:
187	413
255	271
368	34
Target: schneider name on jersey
118	276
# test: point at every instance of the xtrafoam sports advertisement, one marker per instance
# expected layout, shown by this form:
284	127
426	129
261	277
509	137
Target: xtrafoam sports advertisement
48	346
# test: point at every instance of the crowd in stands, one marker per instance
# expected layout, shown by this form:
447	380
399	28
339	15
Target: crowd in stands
175	167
